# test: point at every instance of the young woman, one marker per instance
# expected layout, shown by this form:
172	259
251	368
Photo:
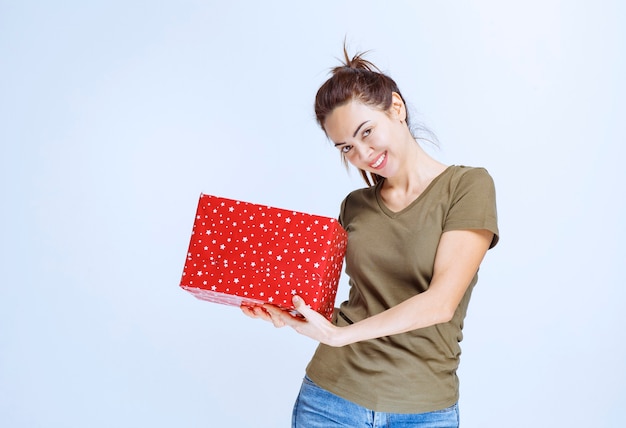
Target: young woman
416	237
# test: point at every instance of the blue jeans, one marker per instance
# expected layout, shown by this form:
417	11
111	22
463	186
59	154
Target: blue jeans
317	408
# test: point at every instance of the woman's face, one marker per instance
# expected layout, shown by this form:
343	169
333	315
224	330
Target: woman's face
368	137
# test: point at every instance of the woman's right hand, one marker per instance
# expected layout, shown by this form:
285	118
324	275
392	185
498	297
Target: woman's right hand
268	312
256	311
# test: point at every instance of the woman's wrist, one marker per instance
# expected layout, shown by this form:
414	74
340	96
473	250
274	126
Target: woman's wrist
340	336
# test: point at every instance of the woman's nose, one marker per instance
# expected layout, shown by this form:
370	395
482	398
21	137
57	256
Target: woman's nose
363	152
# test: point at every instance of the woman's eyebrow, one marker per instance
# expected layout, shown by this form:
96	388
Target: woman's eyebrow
359	127
355	132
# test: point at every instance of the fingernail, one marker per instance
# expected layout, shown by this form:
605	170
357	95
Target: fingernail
296	300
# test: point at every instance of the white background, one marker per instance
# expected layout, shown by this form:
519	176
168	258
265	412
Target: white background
115	115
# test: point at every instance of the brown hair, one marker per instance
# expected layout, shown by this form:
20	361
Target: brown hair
356	79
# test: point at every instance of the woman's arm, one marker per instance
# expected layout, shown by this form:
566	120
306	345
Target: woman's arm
458	257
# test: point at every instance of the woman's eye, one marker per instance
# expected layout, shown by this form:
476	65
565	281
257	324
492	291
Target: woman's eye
346	149
367	132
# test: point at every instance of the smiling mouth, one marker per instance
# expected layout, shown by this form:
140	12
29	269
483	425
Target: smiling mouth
379	161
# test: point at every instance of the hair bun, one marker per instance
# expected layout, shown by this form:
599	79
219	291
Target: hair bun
357	62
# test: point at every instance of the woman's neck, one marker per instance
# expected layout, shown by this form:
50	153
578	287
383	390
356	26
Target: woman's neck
416	172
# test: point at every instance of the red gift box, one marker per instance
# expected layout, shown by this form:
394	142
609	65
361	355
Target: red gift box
245	253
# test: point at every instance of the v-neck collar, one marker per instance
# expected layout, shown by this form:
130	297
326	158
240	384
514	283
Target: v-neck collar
393	214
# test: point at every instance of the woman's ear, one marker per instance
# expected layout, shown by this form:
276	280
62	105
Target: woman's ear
398	108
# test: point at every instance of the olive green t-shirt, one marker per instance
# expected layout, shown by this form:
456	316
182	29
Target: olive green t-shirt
390	257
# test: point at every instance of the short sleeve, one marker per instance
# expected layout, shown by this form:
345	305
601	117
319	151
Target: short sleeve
473	203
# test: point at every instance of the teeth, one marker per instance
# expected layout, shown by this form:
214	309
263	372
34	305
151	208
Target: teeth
379	161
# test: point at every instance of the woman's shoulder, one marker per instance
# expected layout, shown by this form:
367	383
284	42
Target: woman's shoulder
362	194
358	199
459	170
469	174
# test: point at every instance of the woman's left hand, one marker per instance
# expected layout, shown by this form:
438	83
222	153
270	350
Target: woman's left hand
314	325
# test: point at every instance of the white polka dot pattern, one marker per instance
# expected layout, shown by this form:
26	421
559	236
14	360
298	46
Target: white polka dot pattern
247	253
